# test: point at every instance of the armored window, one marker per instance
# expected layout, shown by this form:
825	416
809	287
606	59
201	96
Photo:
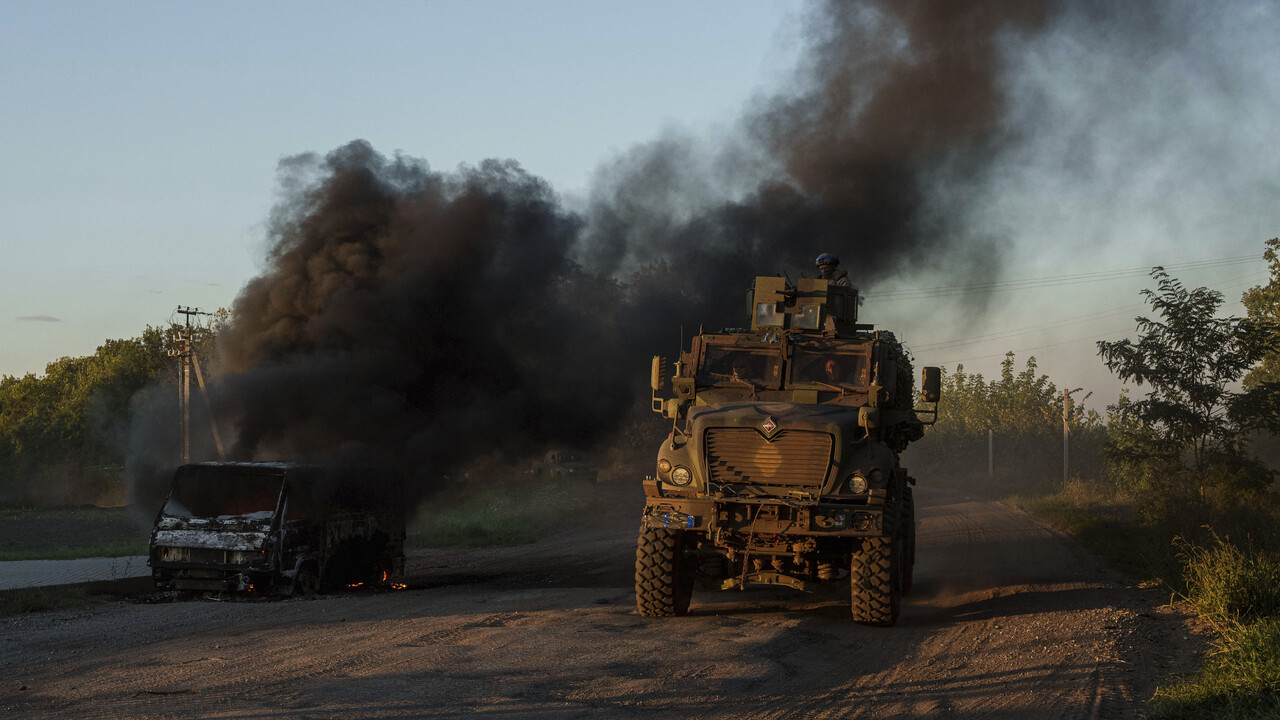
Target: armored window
767	315
826	366
733	366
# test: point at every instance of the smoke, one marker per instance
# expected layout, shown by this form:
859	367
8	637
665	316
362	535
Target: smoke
1150	126
892	101
420	313
432	317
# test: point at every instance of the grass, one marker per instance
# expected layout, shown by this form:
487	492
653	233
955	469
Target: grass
1241	681
39	599
1238	589
1106	524
514	514
68	533
1230	585
83	550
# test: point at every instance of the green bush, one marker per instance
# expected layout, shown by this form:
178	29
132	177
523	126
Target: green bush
1229	585
1241	681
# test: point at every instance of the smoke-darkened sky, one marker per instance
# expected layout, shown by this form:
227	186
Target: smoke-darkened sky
929	145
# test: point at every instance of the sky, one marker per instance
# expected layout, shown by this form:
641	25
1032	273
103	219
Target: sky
140	140
139	145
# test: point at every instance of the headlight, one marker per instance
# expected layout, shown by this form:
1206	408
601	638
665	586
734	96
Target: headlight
857	484
664	465
681	475
175	554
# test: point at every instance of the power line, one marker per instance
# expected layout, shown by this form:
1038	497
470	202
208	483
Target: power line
1249	281
1050	281
1004	334
1095	337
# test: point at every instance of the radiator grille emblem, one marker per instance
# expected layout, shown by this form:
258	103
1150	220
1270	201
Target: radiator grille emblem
769	425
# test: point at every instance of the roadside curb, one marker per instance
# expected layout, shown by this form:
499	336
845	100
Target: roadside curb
121	586
18	574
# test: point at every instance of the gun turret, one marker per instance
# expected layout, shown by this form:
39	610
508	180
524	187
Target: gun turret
813	305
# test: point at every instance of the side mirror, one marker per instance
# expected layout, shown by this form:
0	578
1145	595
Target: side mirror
658	373
931	385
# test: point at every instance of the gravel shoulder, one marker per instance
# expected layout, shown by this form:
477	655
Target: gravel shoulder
1009	619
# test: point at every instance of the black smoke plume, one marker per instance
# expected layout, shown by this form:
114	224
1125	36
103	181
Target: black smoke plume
433	316
418	313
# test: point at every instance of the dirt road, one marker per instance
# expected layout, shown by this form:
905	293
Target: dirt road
1008	620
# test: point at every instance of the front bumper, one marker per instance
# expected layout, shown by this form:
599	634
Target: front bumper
762	517
183	576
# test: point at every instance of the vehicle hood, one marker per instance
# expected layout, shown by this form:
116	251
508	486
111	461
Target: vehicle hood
839	420
228	532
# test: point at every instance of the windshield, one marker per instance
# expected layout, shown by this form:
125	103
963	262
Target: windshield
829	367
209	492
731	366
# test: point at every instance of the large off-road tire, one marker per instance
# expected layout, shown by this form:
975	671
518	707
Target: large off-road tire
664	584
909	541
874	581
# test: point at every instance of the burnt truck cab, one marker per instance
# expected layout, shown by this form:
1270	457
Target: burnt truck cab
782	466
277	527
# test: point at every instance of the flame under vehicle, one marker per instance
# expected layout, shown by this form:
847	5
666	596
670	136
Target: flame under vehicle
782	467
277	528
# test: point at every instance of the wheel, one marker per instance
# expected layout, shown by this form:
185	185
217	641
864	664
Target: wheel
909	541
874	582
664	584
307	581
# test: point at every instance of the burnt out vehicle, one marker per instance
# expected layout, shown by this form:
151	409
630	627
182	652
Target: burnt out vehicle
782	466
278	528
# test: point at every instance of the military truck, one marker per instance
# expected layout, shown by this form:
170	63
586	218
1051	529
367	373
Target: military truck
782	465
281	528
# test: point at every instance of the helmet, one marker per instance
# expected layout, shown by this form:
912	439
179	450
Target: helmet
827	259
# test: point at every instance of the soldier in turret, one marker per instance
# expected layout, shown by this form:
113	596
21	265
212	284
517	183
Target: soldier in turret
829	267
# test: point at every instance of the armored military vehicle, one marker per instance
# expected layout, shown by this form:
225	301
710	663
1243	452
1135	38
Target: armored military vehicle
280	528
782	466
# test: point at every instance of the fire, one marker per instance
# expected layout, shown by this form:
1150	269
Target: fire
355	585
398	586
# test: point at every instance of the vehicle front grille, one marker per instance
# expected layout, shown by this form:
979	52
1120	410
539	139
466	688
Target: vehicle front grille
792	459
208	556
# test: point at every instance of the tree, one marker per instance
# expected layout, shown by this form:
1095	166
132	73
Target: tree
1190	358
1023	411
1263	305
73	417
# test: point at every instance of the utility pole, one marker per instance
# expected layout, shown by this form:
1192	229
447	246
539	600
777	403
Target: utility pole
185	352
1066	434
991	455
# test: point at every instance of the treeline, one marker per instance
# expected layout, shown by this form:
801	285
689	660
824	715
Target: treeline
64	434
1005	435
1205	397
